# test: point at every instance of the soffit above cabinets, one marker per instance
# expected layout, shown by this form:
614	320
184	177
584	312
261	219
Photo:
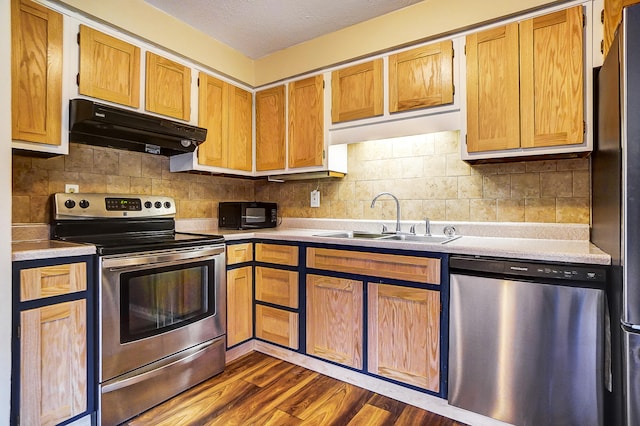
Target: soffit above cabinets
257	27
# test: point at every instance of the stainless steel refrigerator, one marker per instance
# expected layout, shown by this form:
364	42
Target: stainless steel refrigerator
616	208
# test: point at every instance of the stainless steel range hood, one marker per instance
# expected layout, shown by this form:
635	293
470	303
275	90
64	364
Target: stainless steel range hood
105	125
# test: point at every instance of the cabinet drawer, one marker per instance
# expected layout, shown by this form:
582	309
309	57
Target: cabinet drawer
47	281
277	286
239	253
410	268
277	326
277	253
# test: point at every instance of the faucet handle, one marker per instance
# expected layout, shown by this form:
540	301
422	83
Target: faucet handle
412	229
384	228
427	226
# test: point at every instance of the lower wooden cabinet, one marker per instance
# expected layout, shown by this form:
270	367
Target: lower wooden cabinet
53	367
404	334
52	383
239	305
277	326
334	319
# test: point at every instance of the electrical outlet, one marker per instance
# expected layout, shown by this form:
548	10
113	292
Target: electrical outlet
315	198
71	188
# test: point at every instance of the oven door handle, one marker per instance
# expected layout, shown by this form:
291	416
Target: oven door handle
158	368
155	258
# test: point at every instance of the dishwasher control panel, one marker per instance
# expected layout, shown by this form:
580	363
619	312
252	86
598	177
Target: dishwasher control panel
552	271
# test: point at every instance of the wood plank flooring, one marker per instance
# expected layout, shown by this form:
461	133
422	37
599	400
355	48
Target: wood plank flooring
258	389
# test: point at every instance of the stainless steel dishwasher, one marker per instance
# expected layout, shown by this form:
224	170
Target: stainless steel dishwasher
527	340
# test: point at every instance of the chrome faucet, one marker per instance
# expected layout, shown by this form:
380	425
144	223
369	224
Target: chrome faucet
373	203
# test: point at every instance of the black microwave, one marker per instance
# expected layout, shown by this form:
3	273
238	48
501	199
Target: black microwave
246	215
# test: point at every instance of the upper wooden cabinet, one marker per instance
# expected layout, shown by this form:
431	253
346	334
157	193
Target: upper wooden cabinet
109	68
168	87
36	73
611	17
421	77
226	112
356	92
544	56
270	129
306	122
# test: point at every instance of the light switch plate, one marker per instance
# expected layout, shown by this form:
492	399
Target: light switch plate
315	198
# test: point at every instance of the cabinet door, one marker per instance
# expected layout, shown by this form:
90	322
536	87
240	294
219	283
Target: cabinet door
356	92
334	319
421	77
109	68
404	334
239	305
277	326
270	129
612	17
36	73
53	368
213	114
168	88
306	122
493	97
551	79
240	149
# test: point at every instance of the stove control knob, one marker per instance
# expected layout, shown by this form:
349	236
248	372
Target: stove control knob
84	204
69	204
147	204
157	204
167	205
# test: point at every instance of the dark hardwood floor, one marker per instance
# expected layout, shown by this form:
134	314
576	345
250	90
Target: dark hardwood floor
258	389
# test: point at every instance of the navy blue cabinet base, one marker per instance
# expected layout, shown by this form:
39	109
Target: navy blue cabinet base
53	355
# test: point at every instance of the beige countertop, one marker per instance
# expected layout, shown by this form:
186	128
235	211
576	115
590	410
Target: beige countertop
546	242
575	251
44	249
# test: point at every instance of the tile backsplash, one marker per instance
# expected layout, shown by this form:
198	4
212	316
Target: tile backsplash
424	172
106	170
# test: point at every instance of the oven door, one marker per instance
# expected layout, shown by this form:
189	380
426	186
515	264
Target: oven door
156	304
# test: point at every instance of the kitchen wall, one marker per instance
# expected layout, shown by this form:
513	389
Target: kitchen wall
424	172
430	180
106	170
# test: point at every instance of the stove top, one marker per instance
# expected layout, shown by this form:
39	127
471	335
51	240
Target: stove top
118	224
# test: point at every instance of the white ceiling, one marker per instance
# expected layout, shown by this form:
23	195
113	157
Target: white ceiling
260	27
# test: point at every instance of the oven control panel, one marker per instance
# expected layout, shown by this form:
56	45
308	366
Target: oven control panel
83	205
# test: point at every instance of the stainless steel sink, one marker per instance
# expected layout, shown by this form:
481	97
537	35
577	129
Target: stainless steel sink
431	239
353	234
434	239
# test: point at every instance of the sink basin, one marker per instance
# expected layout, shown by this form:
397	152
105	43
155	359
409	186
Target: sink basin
353	234
432	239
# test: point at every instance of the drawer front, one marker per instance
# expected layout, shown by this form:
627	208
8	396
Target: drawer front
239	253
277	286
277	253
277	326
409	268
47	281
